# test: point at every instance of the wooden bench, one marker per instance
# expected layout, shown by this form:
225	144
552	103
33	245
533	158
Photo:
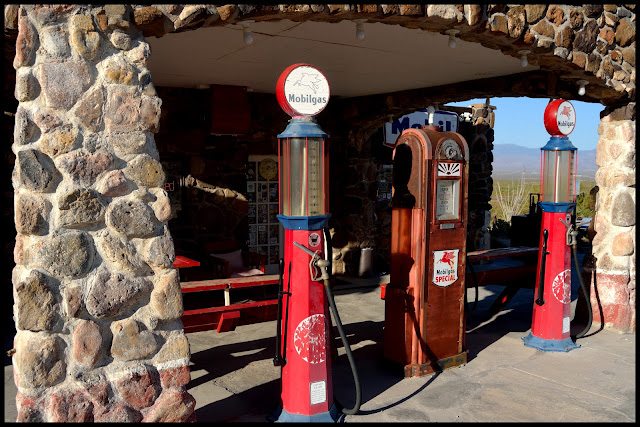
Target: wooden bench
514	268
224	318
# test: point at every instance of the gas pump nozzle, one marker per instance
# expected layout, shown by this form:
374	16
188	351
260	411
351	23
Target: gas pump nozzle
318	267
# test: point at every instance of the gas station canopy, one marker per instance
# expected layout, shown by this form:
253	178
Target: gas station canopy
390	58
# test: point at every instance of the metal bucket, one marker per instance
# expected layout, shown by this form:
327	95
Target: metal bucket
366	262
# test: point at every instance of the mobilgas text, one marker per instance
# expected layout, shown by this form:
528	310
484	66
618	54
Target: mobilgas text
307	99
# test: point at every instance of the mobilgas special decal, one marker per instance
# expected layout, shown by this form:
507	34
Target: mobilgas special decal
445	267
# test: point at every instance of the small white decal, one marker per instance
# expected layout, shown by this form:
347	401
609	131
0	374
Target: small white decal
314	240
448	169
318	392
566	323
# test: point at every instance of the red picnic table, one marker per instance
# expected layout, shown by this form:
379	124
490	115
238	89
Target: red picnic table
226	317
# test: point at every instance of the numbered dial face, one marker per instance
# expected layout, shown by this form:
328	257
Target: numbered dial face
450	150
268	169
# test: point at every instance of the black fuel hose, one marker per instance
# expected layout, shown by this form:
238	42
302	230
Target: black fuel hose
356	380
574	251
336	316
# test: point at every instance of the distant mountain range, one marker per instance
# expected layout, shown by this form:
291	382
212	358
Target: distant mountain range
511	160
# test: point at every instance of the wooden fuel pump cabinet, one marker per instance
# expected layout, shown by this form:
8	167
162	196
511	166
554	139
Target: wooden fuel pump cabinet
424	301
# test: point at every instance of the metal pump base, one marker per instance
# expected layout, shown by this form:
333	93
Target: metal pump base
333	415
538	343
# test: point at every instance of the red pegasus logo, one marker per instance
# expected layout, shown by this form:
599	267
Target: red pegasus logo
566	111
448	257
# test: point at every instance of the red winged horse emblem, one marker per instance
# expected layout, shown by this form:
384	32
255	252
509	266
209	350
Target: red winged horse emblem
566	111
448	257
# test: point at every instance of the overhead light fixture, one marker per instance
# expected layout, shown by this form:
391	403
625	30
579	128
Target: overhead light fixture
523	57
359	28
247	36
452	37
582	84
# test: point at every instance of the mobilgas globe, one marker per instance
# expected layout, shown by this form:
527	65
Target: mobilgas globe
559	118
306	90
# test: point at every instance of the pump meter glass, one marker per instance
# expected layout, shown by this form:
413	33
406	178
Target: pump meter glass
303	187
559	176
447	199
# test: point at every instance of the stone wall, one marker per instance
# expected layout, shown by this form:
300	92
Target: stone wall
97	303
611	268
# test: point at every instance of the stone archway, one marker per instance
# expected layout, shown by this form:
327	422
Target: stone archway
97	302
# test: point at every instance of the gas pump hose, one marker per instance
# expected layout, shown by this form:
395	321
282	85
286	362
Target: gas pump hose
336	316
572	240
332	304
574	251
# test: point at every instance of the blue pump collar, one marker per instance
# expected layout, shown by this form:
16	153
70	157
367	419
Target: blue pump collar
303	127
559	143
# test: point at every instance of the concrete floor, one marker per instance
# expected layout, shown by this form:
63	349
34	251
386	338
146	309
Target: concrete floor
233	378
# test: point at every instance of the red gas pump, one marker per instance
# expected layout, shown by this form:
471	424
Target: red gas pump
551	323
303	345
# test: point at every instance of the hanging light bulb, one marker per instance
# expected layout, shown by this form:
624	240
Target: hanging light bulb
523	57
452	37
247	36
359	28
582	84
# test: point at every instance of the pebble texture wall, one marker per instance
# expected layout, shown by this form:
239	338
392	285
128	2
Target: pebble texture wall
97	302
612	267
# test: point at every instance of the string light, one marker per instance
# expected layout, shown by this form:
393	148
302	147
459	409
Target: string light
359	28
523	57
452	37
582	84
247	36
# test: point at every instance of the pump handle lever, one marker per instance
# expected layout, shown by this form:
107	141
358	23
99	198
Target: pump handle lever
545	235
279	358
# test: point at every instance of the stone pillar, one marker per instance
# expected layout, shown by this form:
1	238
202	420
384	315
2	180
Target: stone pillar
97	302
480	140
611	270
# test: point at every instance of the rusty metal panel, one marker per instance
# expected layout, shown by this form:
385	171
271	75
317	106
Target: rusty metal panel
419	370
429	317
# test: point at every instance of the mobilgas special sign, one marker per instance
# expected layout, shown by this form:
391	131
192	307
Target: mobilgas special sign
302	90
446	119
445	267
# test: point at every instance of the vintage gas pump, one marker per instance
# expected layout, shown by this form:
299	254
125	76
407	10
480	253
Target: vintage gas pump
551	323
303	345
424	301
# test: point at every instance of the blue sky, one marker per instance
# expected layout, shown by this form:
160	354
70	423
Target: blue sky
520	121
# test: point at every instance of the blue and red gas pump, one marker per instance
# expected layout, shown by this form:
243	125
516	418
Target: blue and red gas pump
303	344
551	322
